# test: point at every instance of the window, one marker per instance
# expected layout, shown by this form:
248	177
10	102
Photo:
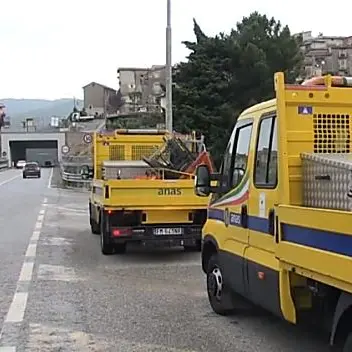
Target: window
235	157
265	175
243	139
226	164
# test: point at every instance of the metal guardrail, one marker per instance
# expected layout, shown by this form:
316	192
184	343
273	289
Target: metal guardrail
71	172
71	180
4	163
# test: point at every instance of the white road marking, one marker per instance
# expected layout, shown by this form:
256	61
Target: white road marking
38	225
7	349
18	305
57	241
35	236
45	200
17	308
57	273
9	180
26	272
31	250
51	177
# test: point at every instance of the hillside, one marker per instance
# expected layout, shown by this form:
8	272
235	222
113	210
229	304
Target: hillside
40	109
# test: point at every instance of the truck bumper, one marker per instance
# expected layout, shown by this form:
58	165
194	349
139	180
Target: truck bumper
147	235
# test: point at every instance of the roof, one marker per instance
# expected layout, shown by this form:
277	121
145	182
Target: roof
132	69
261	106
101	85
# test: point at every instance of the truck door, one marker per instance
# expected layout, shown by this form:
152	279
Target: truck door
262	266
233	204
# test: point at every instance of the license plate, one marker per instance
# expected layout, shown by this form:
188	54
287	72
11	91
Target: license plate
168	231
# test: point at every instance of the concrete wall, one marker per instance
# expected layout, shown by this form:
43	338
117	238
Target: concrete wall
32	136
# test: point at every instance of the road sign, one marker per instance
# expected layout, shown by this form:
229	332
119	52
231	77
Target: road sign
65	149
87	138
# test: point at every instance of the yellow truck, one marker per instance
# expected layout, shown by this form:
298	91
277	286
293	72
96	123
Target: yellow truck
278	232
143	190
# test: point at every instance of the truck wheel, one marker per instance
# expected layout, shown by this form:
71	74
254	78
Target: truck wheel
219	296
94	226
347	347
106	247
193	248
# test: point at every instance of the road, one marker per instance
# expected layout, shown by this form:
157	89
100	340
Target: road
58	293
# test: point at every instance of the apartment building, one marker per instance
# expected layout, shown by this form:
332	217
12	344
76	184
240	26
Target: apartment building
326	54
141	88
100	99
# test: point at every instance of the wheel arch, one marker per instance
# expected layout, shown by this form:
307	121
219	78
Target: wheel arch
342	321
209	247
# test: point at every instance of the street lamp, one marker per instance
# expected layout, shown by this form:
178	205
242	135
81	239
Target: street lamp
168	73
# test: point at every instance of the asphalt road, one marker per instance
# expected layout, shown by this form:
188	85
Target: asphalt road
59	293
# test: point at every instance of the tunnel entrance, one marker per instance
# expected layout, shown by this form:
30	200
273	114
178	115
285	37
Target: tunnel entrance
43	152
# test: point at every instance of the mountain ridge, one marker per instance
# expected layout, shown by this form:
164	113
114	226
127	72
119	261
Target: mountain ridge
18	109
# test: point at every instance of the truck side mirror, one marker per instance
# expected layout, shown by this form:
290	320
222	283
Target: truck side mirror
202	181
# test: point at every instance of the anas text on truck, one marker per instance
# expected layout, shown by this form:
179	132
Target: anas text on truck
278	231
143	189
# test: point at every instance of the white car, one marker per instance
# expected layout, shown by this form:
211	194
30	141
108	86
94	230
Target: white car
20	164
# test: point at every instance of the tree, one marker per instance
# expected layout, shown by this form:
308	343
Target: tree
227	73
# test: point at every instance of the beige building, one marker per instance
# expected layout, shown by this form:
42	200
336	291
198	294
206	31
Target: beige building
99	99
326	54
141	88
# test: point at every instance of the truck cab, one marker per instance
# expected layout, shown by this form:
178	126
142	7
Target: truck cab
276	234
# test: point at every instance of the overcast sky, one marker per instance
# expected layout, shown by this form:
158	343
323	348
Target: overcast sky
51	48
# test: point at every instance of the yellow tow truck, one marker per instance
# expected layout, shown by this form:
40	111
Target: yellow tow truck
279	225
143	189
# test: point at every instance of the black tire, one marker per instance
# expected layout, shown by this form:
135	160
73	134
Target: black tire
347	347
24	176
220	297
193	248
94	226
106	247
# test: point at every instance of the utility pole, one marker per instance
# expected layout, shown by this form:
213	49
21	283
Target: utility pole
168	76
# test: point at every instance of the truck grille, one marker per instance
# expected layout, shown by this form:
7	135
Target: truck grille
140	151
117	152
332	133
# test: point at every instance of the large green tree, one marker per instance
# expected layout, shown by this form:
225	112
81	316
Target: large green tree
229	72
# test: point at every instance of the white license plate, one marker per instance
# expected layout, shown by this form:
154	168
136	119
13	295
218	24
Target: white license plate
168	231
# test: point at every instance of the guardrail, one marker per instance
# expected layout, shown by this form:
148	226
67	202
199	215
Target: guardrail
71	180
71	172
4	164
